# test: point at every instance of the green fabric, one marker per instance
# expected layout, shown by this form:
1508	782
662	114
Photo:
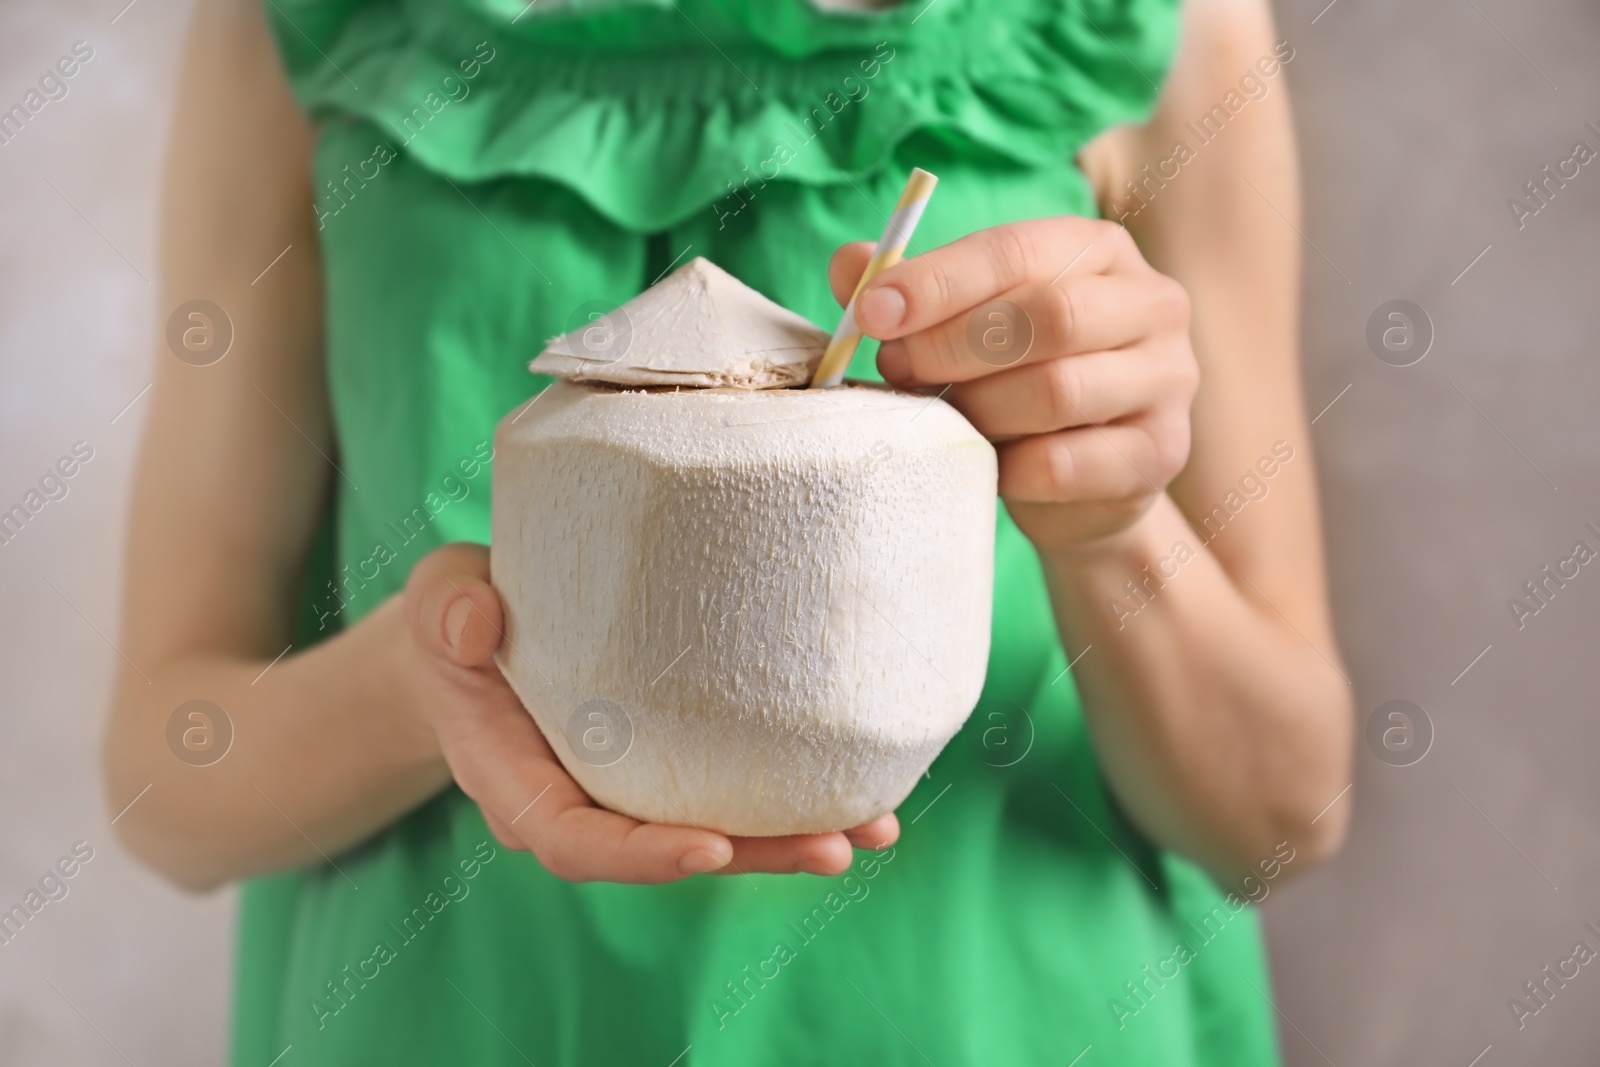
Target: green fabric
583	150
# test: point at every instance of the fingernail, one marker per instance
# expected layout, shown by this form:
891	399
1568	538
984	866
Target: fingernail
455	621
881	310
699	862
893	363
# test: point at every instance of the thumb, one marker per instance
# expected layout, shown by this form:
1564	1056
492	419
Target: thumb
453	611
845	268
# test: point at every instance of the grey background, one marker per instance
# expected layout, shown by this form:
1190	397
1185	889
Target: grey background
1418	121
123	966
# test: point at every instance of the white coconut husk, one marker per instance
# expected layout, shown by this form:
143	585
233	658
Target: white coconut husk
781	598
746	608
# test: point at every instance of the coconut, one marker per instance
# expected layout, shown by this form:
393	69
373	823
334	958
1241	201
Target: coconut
742	607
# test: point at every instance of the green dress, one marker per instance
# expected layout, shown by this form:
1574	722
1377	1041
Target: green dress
489	172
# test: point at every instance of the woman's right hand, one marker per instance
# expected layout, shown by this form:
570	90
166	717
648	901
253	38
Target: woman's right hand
454	624
327	745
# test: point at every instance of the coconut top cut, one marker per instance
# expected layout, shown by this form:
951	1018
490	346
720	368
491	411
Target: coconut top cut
700	327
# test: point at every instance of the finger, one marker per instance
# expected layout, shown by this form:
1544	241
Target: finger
502	832
1100	387
585	844
878	834
824	854
1038	321
844	269
932	287
455	613
578	842
1130	461
502	761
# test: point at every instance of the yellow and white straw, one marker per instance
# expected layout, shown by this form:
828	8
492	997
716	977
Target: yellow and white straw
891	248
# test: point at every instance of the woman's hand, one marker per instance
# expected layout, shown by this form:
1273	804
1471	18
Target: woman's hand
1064	347
454	625
1059	343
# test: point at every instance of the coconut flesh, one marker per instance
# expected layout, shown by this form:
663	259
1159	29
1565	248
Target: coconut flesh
730	604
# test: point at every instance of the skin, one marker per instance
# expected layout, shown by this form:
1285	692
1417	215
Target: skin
1219	713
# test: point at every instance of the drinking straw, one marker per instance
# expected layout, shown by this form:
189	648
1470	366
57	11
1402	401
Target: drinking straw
891	247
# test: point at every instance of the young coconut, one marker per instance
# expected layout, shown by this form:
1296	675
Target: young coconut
753	609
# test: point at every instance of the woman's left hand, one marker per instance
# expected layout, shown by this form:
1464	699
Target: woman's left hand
1060	344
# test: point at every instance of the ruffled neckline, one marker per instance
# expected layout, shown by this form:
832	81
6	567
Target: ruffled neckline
652	110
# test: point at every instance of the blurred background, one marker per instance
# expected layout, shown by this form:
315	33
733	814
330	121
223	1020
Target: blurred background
1459	452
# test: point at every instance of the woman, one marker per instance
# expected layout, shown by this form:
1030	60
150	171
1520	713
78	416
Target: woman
1073	875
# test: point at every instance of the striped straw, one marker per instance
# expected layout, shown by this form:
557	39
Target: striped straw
891	247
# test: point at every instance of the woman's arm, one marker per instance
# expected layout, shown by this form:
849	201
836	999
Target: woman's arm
334	743
233	476
1221	709
1212	688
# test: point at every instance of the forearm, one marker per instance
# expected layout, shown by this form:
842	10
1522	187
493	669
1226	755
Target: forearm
1222	729
325	751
